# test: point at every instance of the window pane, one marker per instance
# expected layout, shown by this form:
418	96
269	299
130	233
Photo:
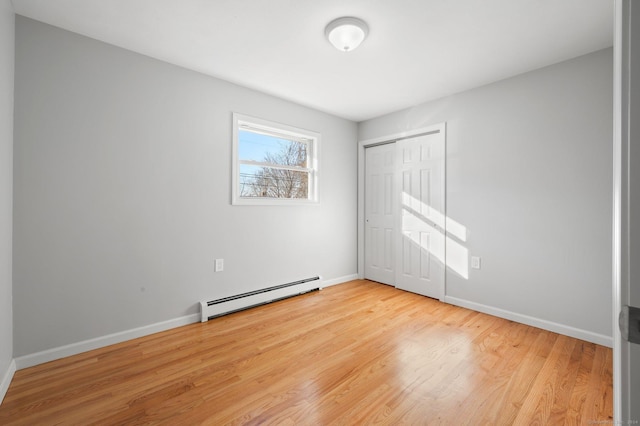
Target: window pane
256	181
271	149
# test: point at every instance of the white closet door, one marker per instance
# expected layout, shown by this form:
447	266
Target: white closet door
421	248
380	207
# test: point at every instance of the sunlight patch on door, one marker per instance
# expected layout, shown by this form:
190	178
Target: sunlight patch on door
457	255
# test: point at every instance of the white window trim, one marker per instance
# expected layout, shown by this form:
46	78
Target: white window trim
277	129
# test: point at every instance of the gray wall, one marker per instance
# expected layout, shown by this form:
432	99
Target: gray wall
122	192
529	174
6	182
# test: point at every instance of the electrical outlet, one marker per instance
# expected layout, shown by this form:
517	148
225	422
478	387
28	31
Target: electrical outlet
219	265
475	262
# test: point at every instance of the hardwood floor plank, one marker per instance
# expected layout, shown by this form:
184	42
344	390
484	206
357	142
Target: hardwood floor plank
565	384
356	353
540	400
599	398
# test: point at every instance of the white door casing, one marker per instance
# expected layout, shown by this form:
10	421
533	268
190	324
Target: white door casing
626	242
421	222
380	212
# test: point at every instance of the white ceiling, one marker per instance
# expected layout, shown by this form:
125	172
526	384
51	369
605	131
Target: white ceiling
417	50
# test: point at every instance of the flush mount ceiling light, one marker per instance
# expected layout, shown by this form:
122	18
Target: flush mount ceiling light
346	33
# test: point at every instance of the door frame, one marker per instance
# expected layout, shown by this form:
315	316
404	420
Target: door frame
619	382
362	145
625	52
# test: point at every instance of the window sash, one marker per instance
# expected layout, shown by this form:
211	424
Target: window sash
295	137
275	166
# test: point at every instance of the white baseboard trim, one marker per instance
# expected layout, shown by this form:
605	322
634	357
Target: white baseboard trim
37	358
340	280
588	336
6	379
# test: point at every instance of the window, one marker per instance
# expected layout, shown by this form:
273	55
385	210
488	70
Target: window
273	163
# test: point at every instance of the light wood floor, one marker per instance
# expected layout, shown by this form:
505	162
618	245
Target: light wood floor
356	353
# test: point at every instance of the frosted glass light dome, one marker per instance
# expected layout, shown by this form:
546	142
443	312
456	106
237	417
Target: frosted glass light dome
346	33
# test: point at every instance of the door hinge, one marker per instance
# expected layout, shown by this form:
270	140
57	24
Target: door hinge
629	322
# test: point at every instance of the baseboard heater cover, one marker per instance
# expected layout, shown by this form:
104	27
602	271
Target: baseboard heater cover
215	308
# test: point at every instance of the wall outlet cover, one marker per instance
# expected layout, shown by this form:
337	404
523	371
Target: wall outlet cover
475	262
219	265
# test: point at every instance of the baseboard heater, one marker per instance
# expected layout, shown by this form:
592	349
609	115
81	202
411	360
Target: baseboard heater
215	308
